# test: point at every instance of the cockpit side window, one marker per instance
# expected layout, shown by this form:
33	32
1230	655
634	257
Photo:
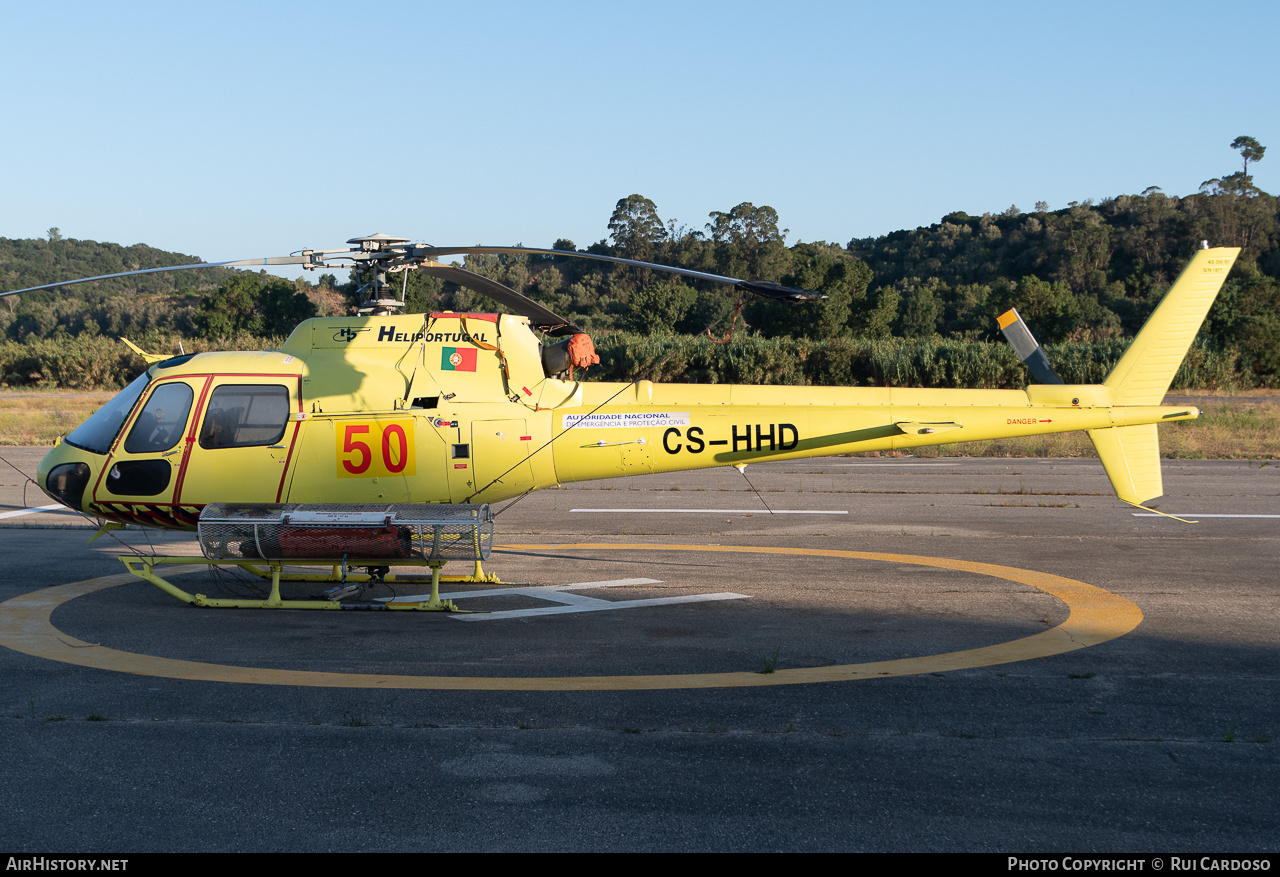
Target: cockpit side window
245	415
98	432
159	426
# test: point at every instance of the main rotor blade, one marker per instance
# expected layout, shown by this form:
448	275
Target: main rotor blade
271	260
539	317
762	288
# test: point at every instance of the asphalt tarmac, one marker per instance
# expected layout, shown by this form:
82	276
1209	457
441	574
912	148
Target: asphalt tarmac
935	654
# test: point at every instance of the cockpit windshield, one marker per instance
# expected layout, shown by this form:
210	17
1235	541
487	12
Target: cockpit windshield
98	432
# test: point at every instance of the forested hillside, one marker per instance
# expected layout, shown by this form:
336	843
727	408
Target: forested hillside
1086	275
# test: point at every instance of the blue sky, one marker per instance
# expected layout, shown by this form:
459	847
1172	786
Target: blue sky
235	130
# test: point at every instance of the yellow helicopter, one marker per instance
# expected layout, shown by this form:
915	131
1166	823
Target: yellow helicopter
383	409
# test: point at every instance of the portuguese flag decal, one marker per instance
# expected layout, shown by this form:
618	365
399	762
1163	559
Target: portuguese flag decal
458	359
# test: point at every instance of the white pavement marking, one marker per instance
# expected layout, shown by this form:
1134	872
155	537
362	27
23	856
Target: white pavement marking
714	511
578	603
889	463
567	602
33	510
1197	515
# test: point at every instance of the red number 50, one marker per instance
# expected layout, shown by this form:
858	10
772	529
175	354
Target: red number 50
359	445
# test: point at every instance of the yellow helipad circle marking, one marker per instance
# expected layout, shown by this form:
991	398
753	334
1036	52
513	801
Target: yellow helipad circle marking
1096	616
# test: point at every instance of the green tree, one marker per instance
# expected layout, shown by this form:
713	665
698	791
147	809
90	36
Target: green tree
920	311
1083	249
1239	183
1050	309
549	281
965	312
255	304
878	321
1247	315
636	228
659	306
232	308
1250	150
748	242
283	306
831	271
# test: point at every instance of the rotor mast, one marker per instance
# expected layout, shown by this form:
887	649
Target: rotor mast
379	251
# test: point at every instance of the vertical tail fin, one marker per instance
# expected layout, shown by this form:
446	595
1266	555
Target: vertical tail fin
1144	373
1131	454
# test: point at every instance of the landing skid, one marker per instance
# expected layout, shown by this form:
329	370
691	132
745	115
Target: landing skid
350	582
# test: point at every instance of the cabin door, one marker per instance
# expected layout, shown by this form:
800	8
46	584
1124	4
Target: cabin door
245	435
142	478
